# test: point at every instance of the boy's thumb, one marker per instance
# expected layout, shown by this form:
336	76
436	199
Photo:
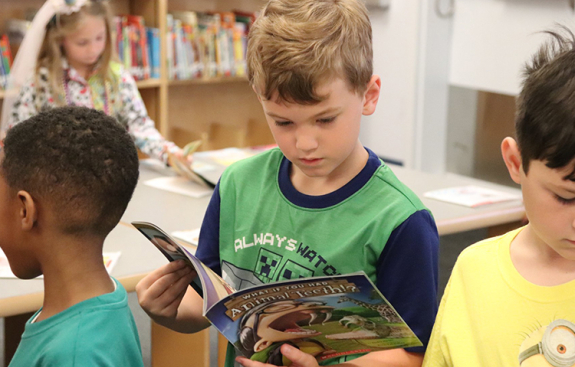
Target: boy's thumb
297	357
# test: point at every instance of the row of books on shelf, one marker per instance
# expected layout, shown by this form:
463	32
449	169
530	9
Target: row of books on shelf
198	45
5	60
137	46
207	45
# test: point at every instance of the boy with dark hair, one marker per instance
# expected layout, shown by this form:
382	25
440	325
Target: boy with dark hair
509	301
66	177
320	204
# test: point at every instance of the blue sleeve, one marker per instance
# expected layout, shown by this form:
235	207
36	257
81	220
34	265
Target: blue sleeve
209	242
407	273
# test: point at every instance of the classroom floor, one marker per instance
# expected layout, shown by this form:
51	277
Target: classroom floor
450	247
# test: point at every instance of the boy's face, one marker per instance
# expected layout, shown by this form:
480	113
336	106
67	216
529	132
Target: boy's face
321	140
549	200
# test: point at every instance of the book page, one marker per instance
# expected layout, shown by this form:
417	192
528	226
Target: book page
207	284
471	196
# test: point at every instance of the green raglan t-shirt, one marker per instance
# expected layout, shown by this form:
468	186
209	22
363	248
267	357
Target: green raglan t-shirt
264	237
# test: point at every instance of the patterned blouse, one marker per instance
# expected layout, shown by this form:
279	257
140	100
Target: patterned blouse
128	109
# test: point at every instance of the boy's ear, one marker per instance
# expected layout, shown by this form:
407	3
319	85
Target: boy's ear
28	210
371	95
512	157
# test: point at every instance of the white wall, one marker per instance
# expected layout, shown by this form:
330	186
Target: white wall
492	39
389	131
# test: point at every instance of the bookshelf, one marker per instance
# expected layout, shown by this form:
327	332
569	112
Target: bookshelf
223	111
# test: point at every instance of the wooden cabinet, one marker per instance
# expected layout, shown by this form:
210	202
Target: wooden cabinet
222	111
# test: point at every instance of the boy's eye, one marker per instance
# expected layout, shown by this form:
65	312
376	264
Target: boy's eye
565	201
283	123
326	120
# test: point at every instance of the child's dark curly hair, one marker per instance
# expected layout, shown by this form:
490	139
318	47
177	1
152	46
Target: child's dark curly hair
80	163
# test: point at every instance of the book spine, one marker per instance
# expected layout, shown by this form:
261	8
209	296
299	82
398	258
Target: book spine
154	51
3	71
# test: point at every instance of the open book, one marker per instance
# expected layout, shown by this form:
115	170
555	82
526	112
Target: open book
324	316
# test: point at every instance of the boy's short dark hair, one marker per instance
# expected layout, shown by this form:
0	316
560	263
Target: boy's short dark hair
545	119
80	161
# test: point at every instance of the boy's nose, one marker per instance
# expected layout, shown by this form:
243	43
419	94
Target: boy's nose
306	142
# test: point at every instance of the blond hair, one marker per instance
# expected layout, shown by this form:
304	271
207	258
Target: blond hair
51	53
296	45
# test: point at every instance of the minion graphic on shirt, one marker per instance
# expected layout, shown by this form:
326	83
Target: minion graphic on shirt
551	345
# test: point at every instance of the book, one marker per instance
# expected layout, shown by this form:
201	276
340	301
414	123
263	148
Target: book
153	38
326	317
471	196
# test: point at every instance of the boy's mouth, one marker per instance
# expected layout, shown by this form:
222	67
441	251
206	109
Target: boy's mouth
310	161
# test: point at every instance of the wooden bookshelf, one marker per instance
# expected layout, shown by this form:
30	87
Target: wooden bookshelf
184	110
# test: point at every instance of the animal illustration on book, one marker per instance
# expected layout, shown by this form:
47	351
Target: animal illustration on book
266	327
385	310
348	321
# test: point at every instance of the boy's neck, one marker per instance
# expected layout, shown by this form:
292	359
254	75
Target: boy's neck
538	263
73	271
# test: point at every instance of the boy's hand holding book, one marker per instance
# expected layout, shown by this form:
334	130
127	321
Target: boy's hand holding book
161	292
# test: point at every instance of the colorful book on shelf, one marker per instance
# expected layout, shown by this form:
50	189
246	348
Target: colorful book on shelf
471	196
326	317
153	38
5	60
140	62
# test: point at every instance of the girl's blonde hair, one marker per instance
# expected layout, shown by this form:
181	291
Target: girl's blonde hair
296	45
52	53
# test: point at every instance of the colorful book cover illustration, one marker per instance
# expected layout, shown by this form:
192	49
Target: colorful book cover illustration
326	317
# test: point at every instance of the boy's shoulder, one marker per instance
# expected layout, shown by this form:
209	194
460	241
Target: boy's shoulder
396	189
485	251
82	332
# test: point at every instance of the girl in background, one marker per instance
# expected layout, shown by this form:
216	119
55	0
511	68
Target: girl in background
66	58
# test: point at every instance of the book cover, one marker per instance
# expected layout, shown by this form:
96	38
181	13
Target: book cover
326	317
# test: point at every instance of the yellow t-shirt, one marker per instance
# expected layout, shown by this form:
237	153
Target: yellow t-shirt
491	316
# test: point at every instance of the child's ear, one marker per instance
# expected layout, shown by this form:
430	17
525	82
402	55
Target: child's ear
512	157
28	210
371	95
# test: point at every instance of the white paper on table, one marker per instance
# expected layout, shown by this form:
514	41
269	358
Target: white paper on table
110	260
471	196
192	236
179	185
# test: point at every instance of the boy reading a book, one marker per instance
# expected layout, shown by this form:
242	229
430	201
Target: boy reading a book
66	177
510	299
321	203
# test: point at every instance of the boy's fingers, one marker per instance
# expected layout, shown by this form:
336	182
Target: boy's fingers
151	278
298	357
166	282
175	289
